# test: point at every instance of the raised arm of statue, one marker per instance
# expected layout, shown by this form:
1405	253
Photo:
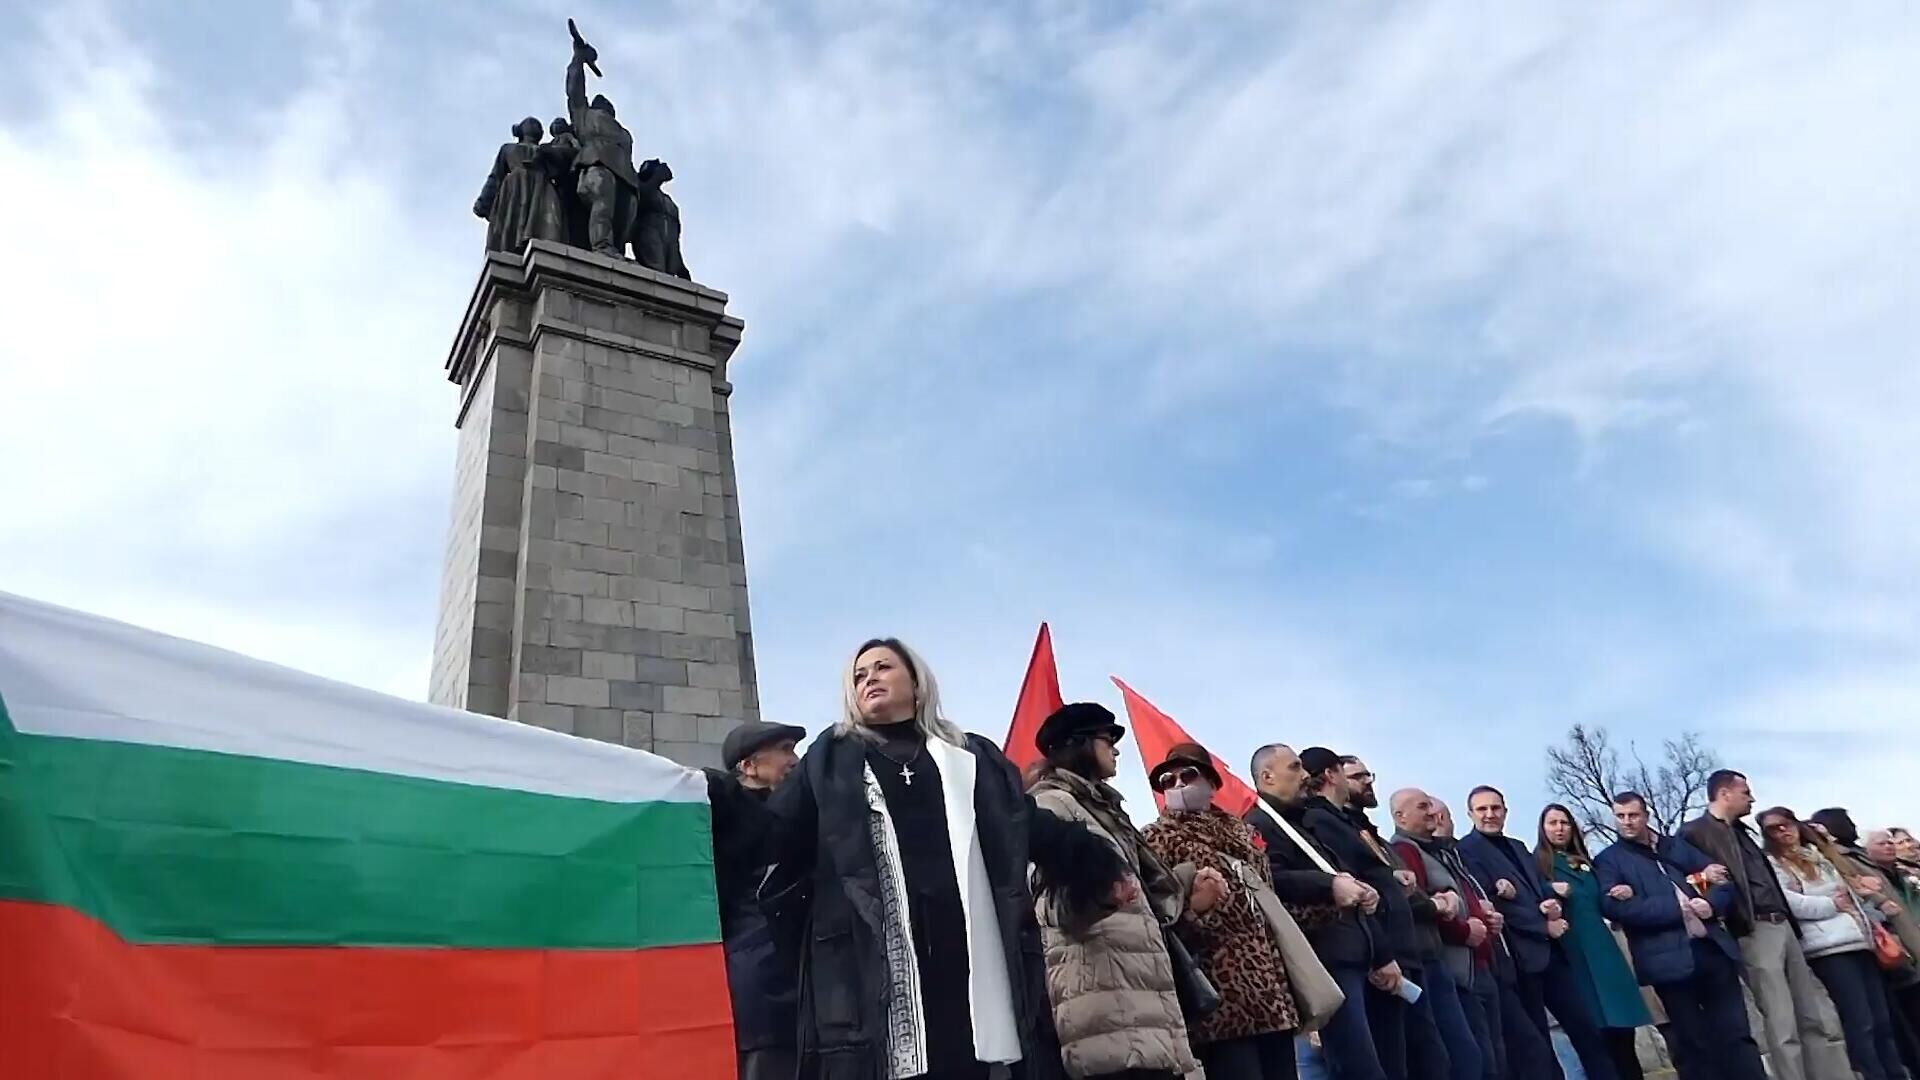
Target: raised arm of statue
577	89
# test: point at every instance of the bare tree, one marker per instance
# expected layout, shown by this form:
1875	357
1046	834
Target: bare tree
1587	772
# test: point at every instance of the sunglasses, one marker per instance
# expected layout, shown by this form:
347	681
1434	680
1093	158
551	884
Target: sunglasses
1186	774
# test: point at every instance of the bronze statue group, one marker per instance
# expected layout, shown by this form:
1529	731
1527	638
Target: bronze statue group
580	186
900	902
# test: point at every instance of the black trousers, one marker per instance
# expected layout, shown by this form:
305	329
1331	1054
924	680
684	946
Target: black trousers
1528	1050
1556	988
776	1064
1906	1017
1260	1057
1622	1048
1708	1016
1859	995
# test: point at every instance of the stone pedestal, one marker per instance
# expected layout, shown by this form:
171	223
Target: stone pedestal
595	581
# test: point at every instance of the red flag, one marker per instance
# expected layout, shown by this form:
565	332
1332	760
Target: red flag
1039	699
1155	733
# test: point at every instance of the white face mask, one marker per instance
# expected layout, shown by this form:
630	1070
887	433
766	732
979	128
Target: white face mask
1190	798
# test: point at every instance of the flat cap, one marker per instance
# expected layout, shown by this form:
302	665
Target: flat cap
754	736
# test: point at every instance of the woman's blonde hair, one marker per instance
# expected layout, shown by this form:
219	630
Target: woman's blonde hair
927	717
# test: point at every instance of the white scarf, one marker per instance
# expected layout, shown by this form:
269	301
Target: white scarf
996	1032
1293	834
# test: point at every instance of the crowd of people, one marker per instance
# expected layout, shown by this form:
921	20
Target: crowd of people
900	902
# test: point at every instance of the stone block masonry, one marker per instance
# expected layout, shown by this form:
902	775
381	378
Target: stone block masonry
595	579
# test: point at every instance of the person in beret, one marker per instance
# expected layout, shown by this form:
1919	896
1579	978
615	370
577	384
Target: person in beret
1117	966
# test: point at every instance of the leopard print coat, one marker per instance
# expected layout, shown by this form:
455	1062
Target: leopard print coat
1232	942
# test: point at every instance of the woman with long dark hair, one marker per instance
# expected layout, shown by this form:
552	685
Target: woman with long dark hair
1116	1001
1837	938
1612	992
907	842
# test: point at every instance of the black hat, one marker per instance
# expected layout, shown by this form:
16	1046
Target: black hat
754	736
1180	756
1073	721
1318	759
1837	823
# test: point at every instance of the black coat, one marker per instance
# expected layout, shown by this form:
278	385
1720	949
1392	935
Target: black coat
1347	941
1496	858
1334	830
817	824
761	977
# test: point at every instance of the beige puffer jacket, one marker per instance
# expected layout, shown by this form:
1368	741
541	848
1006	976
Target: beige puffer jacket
1114	1003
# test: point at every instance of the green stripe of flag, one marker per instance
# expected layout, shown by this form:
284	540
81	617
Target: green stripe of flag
189	846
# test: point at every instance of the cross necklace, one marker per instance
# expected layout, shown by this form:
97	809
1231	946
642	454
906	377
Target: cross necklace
906	767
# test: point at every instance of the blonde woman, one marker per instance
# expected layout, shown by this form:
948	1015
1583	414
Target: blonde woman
1838	940
909	841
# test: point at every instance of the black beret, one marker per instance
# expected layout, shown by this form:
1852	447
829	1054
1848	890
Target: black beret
754	736
1071	721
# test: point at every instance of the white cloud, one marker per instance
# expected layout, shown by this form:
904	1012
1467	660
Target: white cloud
208	377
1833	738
1684	236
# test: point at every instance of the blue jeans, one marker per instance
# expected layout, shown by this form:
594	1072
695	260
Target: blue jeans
1456	1030
1348	1051
1483	1015
1421	1053
1568	1057
1309	1062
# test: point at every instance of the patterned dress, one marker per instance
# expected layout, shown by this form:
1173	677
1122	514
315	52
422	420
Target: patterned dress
1232	943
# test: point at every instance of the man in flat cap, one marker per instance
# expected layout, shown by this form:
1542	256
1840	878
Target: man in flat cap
760	975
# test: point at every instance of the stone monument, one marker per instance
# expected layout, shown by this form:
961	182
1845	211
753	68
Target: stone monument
595	581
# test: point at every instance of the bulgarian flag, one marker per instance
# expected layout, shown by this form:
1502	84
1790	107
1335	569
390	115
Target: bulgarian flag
213	868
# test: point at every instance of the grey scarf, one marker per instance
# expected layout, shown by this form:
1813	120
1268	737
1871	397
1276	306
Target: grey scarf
1459	958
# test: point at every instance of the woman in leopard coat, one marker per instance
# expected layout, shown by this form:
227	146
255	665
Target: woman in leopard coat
1250	1035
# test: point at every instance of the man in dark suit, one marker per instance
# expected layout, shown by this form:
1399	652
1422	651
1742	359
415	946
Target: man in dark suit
1652	886
1534	924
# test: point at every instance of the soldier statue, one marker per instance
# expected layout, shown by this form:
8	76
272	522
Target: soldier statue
609	187
656	228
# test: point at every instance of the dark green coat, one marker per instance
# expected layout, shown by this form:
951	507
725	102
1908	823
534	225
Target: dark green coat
1613	994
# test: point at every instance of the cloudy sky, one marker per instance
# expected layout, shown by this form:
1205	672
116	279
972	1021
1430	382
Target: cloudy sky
1417	380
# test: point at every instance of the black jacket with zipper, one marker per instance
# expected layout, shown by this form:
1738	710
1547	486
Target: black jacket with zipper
1350	939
